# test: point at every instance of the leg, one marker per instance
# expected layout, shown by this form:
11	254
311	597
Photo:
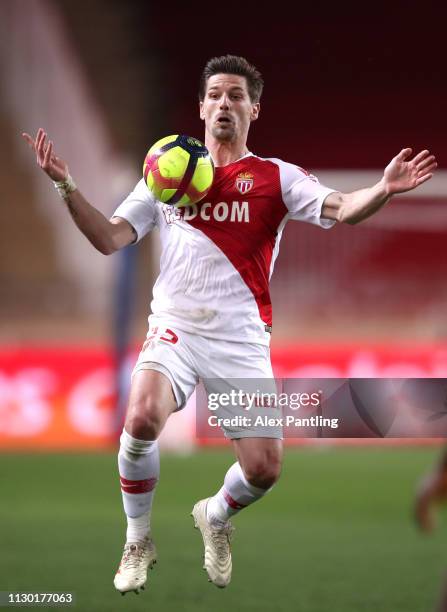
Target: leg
431	491
249	479
150	404
442	604
259	458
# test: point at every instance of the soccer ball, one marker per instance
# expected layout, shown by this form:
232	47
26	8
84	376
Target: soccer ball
178	170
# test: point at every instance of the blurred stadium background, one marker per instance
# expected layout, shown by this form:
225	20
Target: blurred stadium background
344	93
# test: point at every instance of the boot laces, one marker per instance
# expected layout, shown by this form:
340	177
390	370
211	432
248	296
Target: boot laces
133	555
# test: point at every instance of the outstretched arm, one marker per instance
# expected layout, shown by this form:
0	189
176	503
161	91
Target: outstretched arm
106	236
402	174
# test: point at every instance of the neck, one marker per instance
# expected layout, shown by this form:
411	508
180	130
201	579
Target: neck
224	153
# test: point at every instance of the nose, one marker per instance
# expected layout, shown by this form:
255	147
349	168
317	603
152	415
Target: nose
224	103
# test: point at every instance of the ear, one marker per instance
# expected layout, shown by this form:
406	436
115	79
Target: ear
255	110
202	115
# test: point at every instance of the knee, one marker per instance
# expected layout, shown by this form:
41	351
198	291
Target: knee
144	419
263	473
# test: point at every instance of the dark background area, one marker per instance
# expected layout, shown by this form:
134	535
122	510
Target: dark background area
346	85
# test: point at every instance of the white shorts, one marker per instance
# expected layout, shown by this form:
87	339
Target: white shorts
188	358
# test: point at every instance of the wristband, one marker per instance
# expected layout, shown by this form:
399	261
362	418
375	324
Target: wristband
64	188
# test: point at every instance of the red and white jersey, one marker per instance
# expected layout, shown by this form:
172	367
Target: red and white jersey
218	255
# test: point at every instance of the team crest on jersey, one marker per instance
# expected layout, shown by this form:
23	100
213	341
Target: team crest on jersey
244	182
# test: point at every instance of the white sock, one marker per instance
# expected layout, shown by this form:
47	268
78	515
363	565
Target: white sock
138	528
236	494
139	468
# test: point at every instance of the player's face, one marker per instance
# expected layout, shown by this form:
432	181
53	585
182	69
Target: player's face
227	109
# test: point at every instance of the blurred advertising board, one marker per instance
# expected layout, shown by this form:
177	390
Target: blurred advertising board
65	398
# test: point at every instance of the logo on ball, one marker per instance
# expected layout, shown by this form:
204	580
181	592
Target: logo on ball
178	170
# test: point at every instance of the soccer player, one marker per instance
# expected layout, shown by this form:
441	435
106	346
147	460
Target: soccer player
432	491
211	310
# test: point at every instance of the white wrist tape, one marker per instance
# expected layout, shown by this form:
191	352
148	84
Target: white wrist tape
65	187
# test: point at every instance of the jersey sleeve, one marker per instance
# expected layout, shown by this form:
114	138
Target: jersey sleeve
139	209
303	195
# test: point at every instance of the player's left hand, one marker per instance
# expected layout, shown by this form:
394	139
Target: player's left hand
403	174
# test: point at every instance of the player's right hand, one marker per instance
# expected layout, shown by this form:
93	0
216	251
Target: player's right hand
52	165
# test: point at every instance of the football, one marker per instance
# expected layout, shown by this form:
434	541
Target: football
178	170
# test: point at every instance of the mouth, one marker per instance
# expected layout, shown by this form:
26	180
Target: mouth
223	120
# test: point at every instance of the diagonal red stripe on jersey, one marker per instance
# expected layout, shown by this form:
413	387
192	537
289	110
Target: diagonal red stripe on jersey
248	245
137	486
232	502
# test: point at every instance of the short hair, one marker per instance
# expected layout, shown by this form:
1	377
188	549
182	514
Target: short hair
233	64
